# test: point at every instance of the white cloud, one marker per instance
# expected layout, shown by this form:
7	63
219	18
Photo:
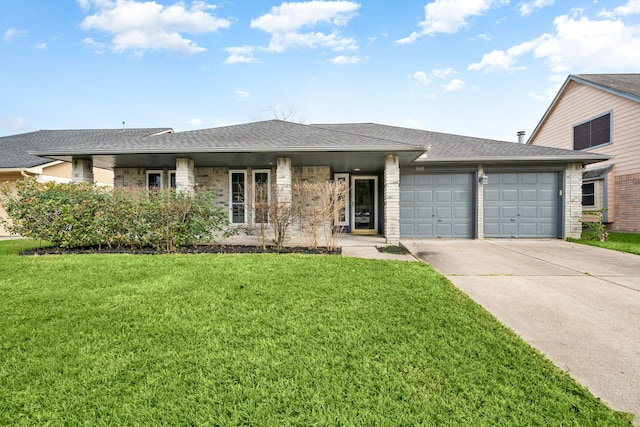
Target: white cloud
443	74
579	43
449	16
545	96
529	7
631	8
11	34
286	21
243	94
455	84
141	26
241	55
420	77
195	122
14	124
412	123
97	47
346	60
41	46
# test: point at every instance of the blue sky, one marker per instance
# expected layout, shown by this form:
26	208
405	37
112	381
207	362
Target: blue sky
485	68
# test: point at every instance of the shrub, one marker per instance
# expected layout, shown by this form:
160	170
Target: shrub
74	215
595	228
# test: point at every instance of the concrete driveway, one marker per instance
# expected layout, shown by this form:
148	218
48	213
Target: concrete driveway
579	305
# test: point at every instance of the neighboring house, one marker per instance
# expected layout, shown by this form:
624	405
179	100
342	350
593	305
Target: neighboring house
600	113
16	163
403	182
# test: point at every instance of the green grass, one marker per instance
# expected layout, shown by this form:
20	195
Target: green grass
263	340
623	242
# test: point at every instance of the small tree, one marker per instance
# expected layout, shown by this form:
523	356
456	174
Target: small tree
319	205
595	228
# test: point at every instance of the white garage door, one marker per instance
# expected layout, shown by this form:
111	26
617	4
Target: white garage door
436	205
521	205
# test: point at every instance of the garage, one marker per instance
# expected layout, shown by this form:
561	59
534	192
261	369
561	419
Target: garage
521	204
436	205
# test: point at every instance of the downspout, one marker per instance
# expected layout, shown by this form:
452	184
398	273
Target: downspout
605	197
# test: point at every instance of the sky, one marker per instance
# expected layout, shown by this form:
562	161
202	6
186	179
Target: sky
484	68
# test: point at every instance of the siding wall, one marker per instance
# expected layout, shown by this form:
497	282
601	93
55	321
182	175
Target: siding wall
580	103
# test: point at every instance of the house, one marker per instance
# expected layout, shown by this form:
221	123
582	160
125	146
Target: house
600	113
16	163
403	182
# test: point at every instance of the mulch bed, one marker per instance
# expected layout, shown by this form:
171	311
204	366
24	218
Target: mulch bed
198	249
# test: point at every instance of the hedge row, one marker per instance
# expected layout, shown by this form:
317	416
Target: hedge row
81	215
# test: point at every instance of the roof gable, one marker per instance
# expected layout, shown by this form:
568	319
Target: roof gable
624	85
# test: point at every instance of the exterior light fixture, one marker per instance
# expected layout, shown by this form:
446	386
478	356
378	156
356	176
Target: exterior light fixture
484	179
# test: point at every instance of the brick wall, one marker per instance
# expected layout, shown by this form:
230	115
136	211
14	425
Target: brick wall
627	203
217	180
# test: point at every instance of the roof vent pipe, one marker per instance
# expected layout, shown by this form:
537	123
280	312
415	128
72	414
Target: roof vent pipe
521	137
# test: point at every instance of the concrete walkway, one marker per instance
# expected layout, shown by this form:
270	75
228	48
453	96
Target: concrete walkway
577	304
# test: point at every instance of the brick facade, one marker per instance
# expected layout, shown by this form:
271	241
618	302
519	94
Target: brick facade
392	200
627	203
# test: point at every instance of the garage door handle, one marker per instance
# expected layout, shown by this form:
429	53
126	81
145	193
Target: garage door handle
513	219
439	220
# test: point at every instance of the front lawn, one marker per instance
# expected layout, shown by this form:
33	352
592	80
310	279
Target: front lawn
623	242
263	340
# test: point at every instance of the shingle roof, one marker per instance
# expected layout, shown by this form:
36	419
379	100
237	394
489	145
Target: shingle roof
267	135
452	147
15	149
628	84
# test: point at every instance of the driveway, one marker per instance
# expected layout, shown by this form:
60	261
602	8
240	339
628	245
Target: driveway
577	304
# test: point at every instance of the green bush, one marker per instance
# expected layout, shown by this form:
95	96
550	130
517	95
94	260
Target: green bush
76	215
595	229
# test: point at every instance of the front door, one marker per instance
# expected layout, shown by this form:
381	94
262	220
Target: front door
364	196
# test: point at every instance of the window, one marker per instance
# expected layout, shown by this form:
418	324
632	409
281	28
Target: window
172	179
238	196
589	199
261	196
592	133
154	179
342	217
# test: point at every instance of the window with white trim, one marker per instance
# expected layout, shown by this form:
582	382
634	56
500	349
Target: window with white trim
590	195
593	133
238	196
154	179
261	195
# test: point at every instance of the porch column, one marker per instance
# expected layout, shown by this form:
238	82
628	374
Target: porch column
81	170
185	174
283	180
572	200
392	200
479	203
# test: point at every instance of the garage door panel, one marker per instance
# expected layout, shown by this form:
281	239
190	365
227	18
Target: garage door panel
406	196
407	213
510	195
491	195
424	213
509	212
423	180
441	204
423	196
526	206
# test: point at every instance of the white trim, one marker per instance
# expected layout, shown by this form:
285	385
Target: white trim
596	195
155	171
253	195
337	177
244	174
354	178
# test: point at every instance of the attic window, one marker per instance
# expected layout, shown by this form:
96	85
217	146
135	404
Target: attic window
592	133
